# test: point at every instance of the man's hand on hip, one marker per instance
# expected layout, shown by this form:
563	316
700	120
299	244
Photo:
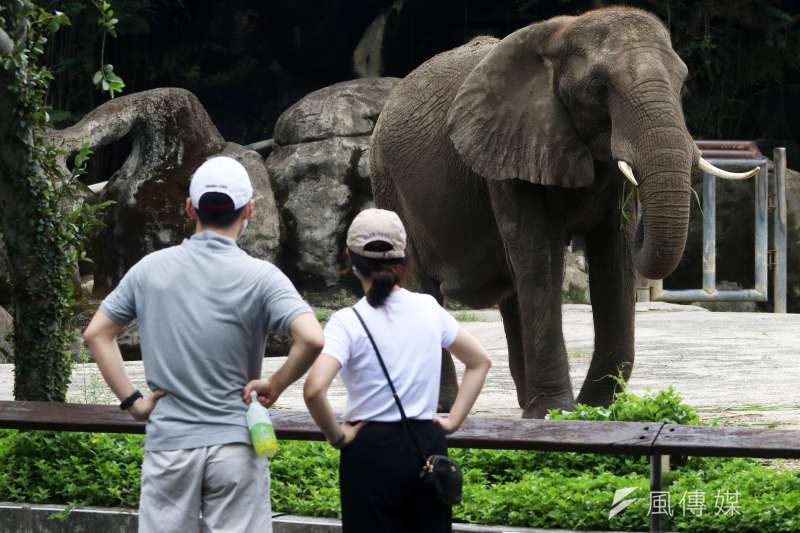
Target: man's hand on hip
141	408
267	391
307	342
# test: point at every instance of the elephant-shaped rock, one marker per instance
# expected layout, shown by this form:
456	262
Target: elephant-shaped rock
345	109
171	136
320	173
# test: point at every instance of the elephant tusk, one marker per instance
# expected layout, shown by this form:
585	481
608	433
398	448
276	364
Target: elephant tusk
626	169
708	168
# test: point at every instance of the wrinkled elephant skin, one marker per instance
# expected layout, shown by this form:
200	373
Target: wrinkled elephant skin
497	153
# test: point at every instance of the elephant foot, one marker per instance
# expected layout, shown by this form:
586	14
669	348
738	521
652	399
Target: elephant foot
603	400
539	405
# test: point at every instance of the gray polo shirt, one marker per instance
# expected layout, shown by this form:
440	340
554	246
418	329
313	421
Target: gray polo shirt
204	309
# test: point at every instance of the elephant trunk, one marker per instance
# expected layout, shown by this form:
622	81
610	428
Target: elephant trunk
664	220
657	144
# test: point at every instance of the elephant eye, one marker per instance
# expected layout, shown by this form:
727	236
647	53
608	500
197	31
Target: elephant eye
596	87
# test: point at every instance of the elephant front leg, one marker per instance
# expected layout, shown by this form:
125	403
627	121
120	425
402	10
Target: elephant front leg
531	226
613	293
509	310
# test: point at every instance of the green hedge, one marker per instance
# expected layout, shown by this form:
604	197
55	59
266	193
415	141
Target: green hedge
552	490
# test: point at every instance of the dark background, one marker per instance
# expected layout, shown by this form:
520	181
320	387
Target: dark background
247	61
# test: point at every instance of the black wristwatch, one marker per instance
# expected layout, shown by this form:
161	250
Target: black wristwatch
129	401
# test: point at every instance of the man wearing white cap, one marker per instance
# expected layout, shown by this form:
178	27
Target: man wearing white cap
204	309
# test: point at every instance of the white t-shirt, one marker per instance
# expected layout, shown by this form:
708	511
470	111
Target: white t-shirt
410	330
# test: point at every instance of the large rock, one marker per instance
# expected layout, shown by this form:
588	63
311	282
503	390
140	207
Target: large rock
171	135
735	237
263	235
320	173
6	329
575	285
345	109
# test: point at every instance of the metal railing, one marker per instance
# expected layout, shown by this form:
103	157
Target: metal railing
737	155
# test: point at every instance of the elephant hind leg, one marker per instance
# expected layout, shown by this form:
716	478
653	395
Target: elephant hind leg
423	282
417	278
509	309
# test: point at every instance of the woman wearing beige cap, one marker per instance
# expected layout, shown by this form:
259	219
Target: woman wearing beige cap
391	340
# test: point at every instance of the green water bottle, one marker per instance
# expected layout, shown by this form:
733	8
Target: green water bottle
261	431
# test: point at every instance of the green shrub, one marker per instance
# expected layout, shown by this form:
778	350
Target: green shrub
305	479
322	314
665	406
78	468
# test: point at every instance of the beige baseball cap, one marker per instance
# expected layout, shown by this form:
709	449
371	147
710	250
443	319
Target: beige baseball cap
372	225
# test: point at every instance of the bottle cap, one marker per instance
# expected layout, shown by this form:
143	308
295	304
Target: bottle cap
253	396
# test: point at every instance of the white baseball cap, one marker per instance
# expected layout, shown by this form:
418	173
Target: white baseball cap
372	225
223	175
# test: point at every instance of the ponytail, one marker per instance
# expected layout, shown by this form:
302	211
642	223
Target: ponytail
384	274
382	283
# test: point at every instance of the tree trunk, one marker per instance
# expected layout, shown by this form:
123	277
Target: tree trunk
33	228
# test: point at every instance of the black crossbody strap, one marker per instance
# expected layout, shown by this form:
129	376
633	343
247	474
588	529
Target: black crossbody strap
391	385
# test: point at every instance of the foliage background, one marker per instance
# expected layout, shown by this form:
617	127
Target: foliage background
248	61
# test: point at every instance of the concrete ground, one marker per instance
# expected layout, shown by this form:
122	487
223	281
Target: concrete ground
741	368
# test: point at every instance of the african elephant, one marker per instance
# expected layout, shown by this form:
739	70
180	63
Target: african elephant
497	153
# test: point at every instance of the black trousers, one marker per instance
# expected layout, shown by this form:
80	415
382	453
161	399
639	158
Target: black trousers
379	481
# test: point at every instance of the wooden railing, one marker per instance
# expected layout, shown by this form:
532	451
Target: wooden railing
654	439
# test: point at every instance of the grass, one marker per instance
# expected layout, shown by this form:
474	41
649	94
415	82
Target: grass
331	299
467	316
322	314
574	295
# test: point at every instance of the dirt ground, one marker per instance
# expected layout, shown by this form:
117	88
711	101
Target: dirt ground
740	368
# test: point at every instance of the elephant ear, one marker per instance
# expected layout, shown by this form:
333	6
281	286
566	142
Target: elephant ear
507	122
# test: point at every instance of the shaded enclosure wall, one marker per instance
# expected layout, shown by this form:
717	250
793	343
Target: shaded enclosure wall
248	61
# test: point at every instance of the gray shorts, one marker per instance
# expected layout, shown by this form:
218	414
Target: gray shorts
214	489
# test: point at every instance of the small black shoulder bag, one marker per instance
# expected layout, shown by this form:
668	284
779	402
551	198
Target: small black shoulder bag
440	474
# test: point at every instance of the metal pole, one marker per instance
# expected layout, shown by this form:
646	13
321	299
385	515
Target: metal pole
709	233
779	234
761	231
655	486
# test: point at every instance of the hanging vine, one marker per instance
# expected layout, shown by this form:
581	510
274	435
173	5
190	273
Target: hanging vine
44	219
